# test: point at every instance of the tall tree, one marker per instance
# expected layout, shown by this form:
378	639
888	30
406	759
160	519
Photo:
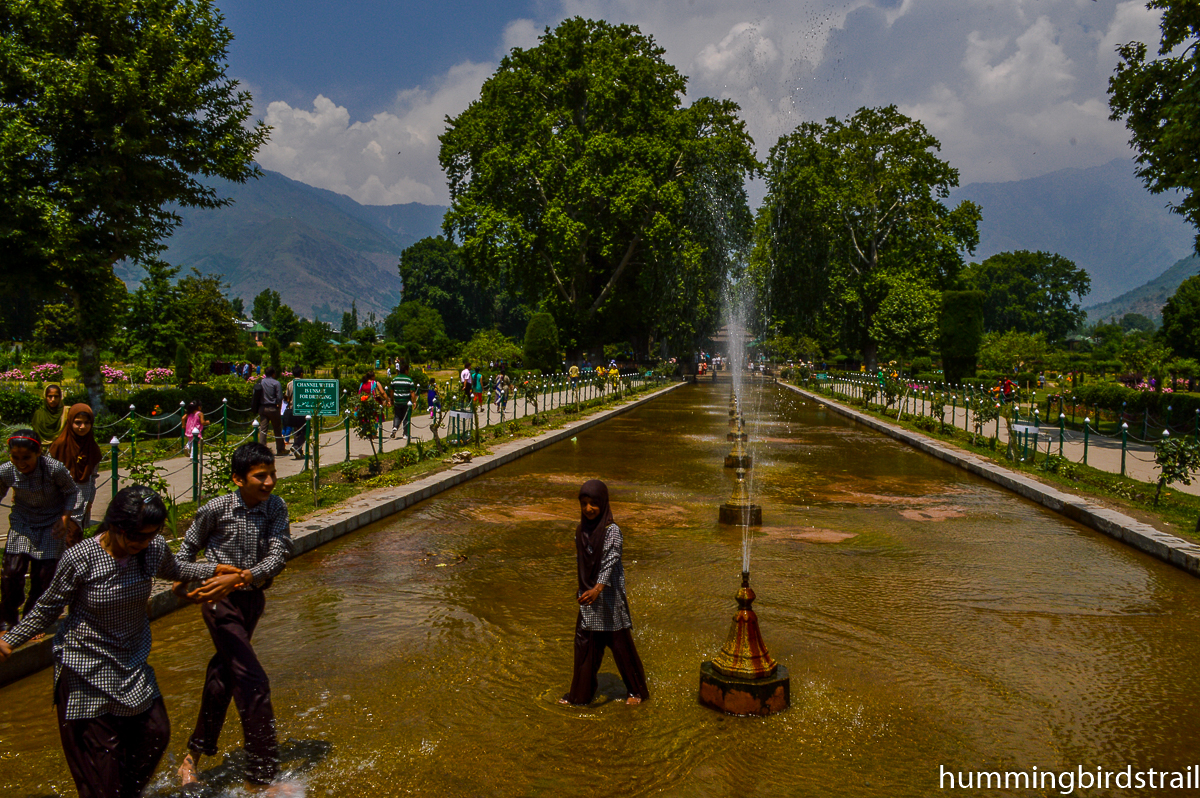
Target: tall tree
570	175
1157	99
1181	320
1030	292
854	209
154	324
961	328
111	110
205	315
435	274
264	306
285	325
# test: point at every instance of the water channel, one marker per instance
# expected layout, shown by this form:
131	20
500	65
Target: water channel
927	617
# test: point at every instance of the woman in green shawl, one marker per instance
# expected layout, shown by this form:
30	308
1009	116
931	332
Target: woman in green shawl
48	419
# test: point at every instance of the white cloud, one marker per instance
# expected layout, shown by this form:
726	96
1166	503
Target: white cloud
996	80
388	159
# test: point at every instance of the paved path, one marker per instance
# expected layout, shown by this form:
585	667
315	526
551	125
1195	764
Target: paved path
333	452
1103	451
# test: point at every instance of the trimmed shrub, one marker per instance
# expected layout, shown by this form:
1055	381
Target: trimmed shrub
541	343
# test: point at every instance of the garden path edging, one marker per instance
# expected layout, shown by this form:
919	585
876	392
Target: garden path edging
350	516
1169	548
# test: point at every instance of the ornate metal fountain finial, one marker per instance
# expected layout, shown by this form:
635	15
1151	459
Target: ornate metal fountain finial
745	654
739	511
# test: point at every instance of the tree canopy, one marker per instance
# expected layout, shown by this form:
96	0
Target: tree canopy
1157	99
853	213
1181	319
573	175
111	110
1030	292
434	274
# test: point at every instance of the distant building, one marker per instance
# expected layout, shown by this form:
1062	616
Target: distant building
259	332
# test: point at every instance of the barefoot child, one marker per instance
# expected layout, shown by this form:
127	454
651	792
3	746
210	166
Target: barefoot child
603	618
111	718
76	448
249	530
44	497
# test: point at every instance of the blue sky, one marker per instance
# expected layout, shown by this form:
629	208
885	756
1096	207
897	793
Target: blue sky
357	92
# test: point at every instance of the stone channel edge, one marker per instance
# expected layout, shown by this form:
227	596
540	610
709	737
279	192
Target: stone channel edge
1164	546
352	515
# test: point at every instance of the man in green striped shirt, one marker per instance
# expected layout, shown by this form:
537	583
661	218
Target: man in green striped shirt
402	392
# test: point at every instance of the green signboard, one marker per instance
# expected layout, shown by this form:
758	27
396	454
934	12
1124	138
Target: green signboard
316	398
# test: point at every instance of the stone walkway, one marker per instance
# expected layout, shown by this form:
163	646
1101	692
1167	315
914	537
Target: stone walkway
1103	451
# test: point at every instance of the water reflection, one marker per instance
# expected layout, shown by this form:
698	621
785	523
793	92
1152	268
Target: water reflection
927	619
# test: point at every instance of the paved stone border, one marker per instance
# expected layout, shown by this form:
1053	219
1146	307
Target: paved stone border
353	514
1167	547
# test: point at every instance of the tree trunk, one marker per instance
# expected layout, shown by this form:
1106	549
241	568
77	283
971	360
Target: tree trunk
89	374
871	354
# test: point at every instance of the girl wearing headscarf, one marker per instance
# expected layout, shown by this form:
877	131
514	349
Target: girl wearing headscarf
44	497
75	447
603	619
49	419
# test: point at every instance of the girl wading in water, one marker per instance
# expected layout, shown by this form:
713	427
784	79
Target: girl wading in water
603	619
111	717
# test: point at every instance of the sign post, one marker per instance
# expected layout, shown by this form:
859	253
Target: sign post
314	399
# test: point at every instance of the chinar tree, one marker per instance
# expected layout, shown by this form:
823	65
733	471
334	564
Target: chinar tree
853	235
575	179
110	111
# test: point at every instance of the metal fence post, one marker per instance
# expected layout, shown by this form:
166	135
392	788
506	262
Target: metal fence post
1124	444
196	471
1086	425
115	444
307	439
1062	421
347	439
1146	424
182	427
224	422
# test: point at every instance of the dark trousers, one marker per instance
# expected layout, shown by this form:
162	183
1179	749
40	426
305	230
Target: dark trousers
234	673
12	583
275	420
112	756
589	653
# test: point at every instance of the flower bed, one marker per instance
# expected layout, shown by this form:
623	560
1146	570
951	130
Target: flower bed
47	372
159	376
113	376
15	375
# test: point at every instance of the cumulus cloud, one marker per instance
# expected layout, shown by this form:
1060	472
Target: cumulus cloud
388	159
1012	88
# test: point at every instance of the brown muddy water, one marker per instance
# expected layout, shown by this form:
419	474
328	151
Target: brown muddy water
929	619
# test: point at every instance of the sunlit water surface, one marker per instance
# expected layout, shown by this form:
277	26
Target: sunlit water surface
927	618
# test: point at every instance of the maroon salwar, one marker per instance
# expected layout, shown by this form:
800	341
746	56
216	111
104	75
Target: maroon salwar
589	653
235	673
112	756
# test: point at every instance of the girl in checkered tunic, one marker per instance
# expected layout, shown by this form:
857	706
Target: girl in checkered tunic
44	497
111	718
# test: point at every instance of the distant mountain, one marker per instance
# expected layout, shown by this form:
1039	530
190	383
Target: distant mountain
1102	218
1147	299
320	250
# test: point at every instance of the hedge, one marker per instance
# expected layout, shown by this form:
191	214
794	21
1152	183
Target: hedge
1115	398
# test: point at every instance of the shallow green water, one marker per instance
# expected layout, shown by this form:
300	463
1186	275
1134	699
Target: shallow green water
959	626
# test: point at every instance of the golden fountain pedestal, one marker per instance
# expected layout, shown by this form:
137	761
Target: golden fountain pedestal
742	679
738	511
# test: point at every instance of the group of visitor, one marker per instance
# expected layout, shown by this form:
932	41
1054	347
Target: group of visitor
111	716
245	370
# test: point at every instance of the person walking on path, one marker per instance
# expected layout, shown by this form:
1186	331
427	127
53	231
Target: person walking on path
76	448
193	425
299	423
477	386
111	718
247	529
603	619
464	378
49	419
44	498
402	392
266	403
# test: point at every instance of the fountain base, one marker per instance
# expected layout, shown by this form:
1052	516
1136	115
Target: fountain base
736	460
735	696
740	514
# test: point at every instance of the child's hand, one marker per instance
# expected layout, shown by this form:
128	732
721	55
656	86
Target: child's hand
5	651
589	596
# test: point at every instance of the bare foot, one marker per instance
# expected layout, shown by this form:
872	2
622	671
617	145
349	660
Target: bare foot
187	771
632	700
